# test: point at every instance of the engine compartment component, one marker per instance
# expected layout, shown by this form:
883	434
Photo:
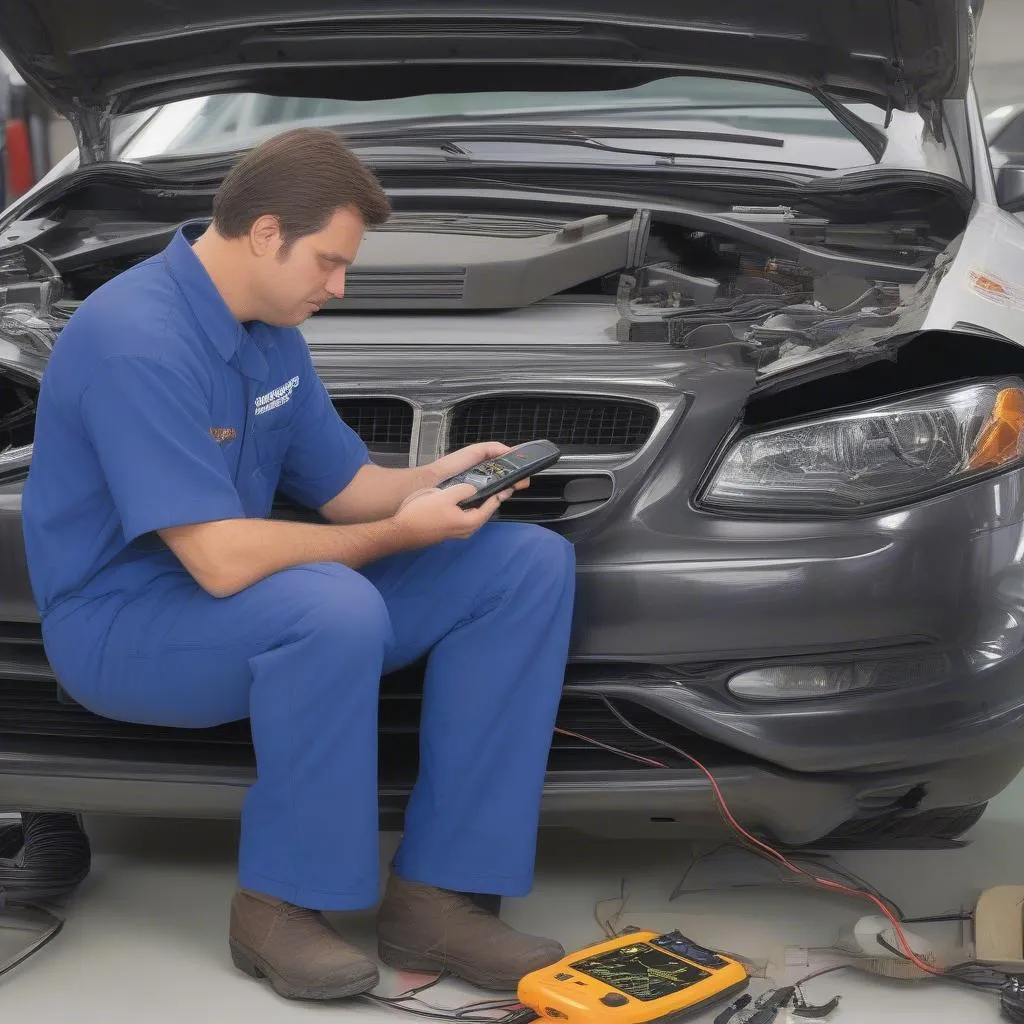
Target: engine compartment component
450	260
17	412
697	291
28	278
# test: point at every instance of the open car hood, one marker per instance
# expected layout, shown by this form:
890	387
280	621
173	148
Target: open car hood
93	59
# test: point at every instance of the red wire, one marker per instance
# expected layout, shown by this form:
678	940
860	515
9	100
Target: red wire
614	750
825	883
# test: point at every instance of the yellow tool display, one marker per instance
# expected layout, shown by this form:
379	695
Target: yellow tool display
637	978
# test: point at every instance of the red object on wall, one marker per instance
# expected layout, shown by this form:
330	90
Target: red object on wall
20	177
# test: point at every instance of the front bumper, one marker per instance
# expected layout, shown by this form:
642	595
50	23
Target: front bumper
671	602
794	809
708	596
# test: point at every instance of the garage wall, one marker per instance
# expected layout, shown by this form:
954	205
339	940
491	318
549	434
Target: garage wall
62	139
999	65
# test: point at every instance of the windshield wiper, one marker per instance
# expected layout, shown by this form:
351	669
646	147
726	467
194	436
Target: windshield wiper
580	140
573	134
869	135
446	140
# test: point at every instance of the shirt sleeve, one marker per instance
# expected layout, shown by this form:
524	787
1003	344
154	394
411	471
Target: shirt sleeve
324	452
149	426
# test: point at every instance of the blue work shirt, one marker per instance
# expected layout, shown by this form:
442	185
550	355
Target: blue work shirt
157	409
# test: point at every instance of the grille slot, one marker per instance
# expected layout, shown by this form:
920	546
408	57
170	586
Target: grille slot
554	496
384	424
455	222
579	425
549	498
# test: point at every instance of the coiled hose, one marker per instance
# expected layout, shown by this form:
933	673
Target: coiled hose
43	857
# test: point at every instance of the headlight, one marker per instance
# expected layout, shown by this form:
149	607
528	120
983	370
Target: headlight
873	457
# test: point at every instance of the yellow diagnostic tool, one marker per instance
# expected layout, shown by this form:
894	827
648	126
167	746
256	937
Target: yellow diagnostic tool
637	978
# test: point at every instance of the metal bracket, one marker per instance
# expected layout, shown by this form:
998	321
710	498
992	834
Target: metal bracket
92	130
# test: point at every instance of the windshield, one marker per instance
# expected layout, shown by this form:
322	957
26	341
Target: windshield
716	120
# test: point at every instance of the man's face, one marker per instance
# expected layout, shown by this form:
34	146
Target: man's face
295	284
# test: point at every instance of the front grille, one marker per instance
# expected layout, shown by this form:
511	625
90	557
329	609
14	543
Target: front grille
384	424
578	425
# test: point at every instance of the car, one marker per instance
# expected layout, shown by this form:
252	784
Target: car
744	263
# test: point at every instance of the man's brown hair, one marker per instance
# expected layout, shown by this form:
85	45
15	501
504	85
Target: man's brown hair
302	177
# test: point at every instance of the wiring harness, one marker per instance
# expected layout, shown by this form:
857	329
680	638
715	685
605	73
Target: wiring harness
43	857
1009	987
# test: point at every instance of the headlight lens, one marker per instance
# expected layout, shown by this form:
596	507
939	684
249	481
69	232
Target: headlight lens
873	457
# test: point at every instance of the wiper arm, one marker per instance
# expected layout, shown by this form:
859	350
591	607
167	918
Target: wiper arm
873	139
571	134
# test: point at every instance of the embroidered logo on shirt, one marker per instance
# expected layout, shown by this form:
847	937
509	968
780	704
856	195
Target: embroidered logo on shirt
276	398
223	434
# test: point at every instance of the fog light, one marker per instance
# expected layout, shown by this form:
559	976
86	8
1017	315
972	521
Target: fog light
801	682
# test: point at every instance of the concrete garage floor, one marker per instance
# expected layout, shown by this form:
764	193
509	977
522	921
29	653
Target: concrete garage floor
145	938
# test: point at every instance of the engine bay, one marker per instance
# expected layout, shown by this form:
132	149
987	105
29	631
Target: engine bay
773	282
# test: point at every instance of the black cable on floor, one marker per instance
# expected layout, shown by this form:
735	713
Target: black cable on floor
469	1012
521	1015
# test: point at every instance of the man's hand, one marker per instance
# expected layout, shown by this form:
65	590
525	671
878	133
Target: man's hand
430	516
377	492
465	458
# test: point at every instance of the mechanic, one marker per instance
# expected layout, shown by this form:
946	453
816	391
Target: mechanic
180	396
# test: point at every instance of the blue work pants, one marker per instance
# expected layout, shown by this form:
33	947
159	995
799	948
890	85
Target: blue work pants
301	652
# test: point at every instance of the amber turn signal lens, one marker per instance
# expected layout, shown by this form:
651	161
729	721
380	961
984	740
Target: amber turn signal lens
1000	441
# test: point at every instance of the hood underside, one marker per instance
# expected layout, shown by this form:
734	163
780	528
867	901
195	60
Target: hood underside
107	57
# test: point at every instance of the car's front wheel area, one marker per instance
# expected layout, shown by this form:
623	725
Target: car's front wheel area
899	828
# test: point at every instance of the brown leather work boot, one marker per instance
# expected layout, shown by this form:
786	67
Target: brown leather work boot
295	949
422	928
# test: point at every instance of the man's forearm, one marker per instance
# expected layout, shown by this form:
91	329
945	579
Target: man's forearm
376	492
229	555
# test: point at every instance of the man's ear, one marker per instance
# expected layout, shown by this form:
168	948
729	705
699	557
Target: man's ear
265	235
